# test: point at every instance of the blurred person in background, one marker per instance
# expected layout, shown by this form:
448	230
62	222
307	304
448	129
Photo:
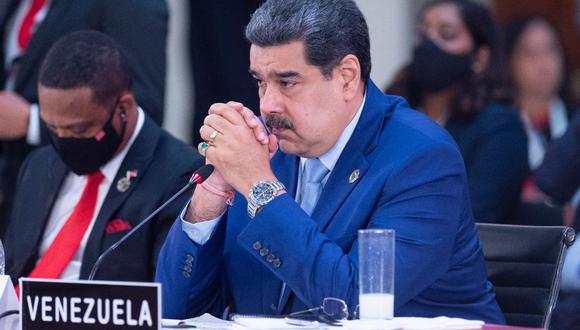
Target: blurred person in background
457	77
28	28
537	73
559	177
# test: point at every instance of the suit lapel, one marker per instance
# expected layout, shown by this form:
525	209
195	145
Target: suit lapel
7	8
44	197
352	163
138	158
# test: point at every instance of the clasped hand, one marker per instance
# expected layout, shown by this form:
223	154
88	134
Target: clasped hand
238	145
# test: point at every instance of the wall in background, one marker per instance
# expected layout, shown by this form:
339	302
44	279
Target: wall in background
179	89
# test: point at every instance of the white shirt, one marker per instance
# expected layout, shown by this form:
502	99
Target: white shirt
201	232
537	144
69	196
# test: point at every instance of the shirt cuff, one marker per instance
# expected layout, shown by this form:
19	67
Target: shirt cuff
33	134
199	232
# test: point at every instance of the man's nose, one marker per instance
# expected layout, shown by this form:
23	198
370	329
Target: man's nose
270	101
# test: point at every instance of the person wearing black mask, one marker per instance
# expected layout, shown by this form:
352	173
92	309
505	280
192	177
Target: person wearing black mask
457	77
108	166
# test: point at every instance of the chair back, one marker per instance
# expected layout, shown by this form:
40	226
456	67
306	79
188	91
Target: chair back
524	264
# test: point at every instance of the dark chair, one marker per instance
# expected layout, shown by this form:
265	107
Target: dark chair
524	264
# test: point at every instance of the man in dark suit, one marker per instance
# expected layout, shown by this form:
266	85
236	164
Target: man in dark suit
108	166
350	158
28	28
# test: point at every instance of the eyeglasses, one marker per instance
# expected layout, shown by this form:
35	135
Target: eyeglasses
331	312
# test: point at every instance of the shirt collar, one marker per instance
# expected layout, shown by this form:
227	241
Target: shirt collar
330	157
111	168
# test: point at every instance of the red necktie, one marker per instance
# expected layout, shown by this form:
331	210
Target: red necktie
67	241
25	32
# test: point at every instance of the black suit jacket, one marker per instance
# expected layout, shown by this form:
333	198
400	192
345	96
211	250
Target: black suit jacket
139	26
164	165
493	144
220	75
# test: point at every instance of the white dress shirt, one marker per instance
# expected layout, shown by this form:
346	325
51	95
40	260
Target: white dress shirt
69	196
201	232
537	143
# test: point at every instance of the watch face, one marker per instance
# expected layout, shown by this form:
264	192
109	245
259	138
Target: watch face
263	192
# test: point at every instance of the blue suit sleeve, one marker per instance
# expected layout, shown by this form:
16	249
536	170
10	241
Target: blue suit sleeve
190	275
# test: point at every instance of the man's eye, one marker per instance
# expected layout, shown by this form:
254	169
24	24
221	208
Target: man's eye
259	82
287	84
79	130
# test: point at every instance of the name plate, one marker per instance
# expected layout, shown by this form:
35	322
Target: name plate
58	304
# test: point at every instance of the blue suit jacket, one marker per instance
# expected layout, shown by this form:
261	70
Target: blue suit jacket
412	179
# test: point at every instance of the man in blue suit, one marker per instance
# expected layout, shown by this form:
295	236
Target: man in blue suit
350	158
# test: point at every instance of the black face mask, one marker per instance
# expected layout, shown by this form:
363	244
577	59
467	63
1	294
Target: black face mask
86	155
434	69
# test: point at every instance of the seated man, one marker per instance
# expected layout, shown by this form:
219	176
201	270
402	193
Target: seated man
108	167
350	158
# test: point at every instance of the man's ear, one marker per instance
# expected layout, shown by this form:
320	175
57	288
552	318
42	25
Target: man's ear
349	73
127	102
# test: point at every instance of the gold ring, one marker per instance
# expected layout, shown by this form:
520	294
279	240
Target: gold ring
213	136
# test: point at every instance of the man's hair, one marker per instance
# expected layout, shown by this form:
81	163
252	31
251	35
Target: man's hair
330	30
87	59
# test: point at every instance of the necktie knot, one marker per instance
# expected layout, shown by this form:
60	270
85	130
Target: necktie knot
314	170
95	178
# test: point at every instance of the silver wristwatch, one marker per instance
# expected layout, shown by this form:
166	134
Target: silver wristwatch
261	194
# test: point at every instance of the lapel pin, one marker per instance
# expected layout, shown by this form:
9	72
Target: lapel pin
124	183
354	176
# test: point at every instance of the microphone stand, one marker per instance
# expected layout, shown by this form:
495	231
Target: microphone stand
195	179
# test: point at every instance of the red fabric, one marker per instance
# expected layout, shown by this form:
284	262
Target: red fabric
25	32
117	225
67	241
540	120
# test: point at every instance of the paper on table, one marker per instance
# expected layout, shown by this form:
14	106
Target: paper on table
415	323
206	321
271	323
8	301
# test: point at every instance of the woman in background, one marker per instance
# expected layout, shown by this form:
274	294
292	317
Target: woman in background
537	74
458	78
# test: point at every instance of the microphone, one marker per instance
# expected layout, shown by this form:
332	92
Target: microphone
197	177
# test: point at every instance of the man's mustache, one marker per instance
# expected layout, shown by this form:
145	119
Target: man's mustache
273	120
